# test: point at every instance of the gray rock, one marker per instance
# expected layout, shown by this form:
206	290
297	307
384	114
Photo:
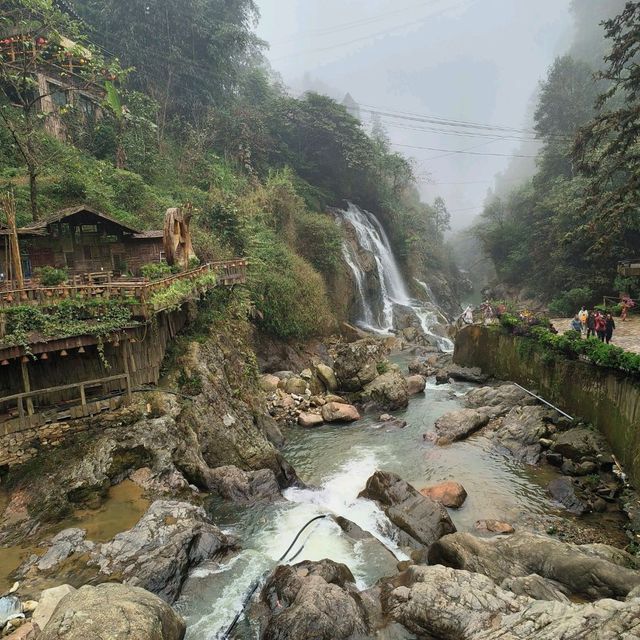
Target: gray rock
48	602
461	374
579	443
505	396
339	412
113	612
237	485
158	552
562	490
457	425
521	431
313	601
355	364
387	392
536	587
442	603
522	554
421	518
63	545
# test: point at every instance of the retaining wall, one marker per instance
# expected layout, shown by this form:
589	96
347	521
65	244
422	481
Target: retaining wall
608	399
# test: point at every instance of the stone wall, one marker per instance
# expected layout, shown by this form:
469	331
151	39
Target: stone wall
608	399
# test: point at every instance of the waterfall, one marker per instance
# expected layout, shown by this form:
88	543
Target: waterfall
372	238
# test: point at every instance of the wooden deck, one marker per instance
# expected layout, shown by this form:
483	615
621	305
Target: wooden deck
228	273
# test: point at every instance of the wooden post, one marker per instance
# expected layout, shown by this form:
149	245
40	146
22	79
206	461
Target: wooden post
26	384
125	357
83	397
9	205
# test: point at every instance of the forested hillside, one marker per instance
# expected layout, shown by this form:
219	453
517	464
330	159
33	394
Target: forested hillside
192	114
567	227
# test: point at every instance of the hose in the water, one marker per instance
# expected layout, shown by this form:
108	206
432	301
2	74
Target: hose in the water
256	584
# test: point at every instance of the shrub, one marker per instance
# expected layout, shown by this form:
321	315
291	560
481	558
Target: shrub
319	240
156	270
50	276
569	302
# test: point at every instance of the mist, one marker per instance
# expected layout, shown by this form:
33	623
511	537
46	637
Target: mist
458	60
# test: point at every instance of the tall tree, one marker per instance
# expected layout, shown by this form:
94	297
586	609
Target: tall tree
187	55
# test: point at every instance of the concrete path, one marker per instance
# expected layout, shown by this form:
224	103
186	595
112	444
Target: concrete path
626	335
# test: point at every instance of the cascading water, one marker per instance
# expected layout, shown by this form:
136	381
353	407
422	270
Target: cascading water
372	238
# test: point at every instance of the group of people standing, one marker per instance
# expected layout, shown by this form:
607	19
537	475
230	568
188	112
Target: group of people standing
594	323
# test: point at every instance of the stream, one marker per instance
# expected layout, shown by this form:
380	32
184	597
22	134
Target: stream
337	461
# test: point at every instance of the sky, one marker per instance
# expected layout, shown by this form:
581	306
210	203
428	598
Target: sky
477	61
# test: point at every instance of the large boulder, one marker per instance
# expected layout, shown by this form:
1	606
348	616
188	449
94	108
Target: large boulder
442	603
327	377
416	384
449	494
237	485
439	602
339	412
158	552
521	431
356	363
307	419
388	391
418	516
313	601
113	612
49	600
457	425
504	396
580	443
461	374
580	571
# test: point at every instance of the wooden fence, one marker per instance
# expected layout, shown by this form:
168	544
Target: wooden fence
228	273
27	410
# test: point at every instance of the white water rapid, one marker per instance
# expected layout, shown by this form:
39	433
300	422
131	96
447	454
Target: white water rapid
373	239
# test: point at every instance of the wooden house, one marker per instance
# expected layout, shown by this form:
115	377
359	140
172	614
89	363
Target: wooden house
83	240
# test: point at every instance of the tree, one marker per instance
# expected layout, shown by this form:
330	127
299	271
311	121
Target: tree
188	55
441	217
607	149
36	39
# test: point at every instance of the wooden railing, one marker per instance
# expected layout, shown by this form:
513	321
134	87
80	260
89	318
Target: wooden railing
24	407
229	273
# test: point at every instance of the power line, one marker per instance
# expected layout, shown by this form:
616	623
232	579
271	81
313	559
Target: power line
350	25
372	35
471	153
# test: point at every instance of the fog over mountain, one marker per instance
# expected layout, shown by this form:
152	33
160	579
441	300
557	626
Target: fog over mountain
466	60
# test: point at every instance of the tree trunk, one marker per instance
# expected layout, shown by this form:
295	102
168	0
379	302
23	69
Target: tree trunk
33	192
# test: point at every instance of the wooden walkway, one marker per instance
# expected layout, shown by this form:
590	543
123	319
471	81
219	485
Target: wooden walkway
228	273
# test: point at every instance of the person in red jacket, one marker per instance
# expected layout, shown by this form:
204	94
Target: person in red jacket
601	326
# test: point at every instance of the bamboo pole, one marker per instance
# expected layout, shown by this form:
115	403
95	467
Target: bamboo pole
8	203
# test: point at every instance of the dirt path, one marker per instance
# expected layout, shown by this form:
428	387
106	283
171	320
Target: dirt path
626	335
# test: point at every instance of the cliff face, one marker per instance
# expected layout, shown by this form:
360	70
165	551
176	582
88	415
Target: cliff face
606	398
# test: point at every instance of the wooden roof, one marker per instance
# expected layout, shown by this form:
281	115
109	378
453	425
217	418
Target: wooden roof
62	215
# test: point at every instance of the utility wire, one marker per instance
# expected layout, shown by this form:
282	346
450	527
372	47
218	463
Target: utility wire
462	151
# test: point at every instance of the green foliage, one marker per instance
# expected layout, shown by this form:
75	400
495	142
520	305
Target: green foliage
191	385
382	367
571	345
569	303
319	241
157	270
50	276
70	317
180	291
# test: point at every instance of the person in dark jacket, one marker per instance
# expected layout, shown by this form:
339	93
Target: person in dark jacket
591	324
610	326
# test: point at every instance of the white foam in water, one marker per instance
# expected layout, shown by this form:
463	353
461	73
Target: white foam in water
393	291
323	539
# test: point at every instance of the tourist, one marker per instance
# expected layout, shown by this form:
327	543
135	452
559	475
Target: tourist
627	303
591	324
610	326
576	324
583	316
467	316
600	325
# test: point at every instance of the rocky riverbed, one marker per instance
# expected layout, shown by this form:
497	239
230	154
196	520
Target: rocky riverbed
459	508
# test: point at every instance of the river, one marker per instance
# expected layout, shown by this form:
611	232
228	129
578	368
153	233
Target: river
337	460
